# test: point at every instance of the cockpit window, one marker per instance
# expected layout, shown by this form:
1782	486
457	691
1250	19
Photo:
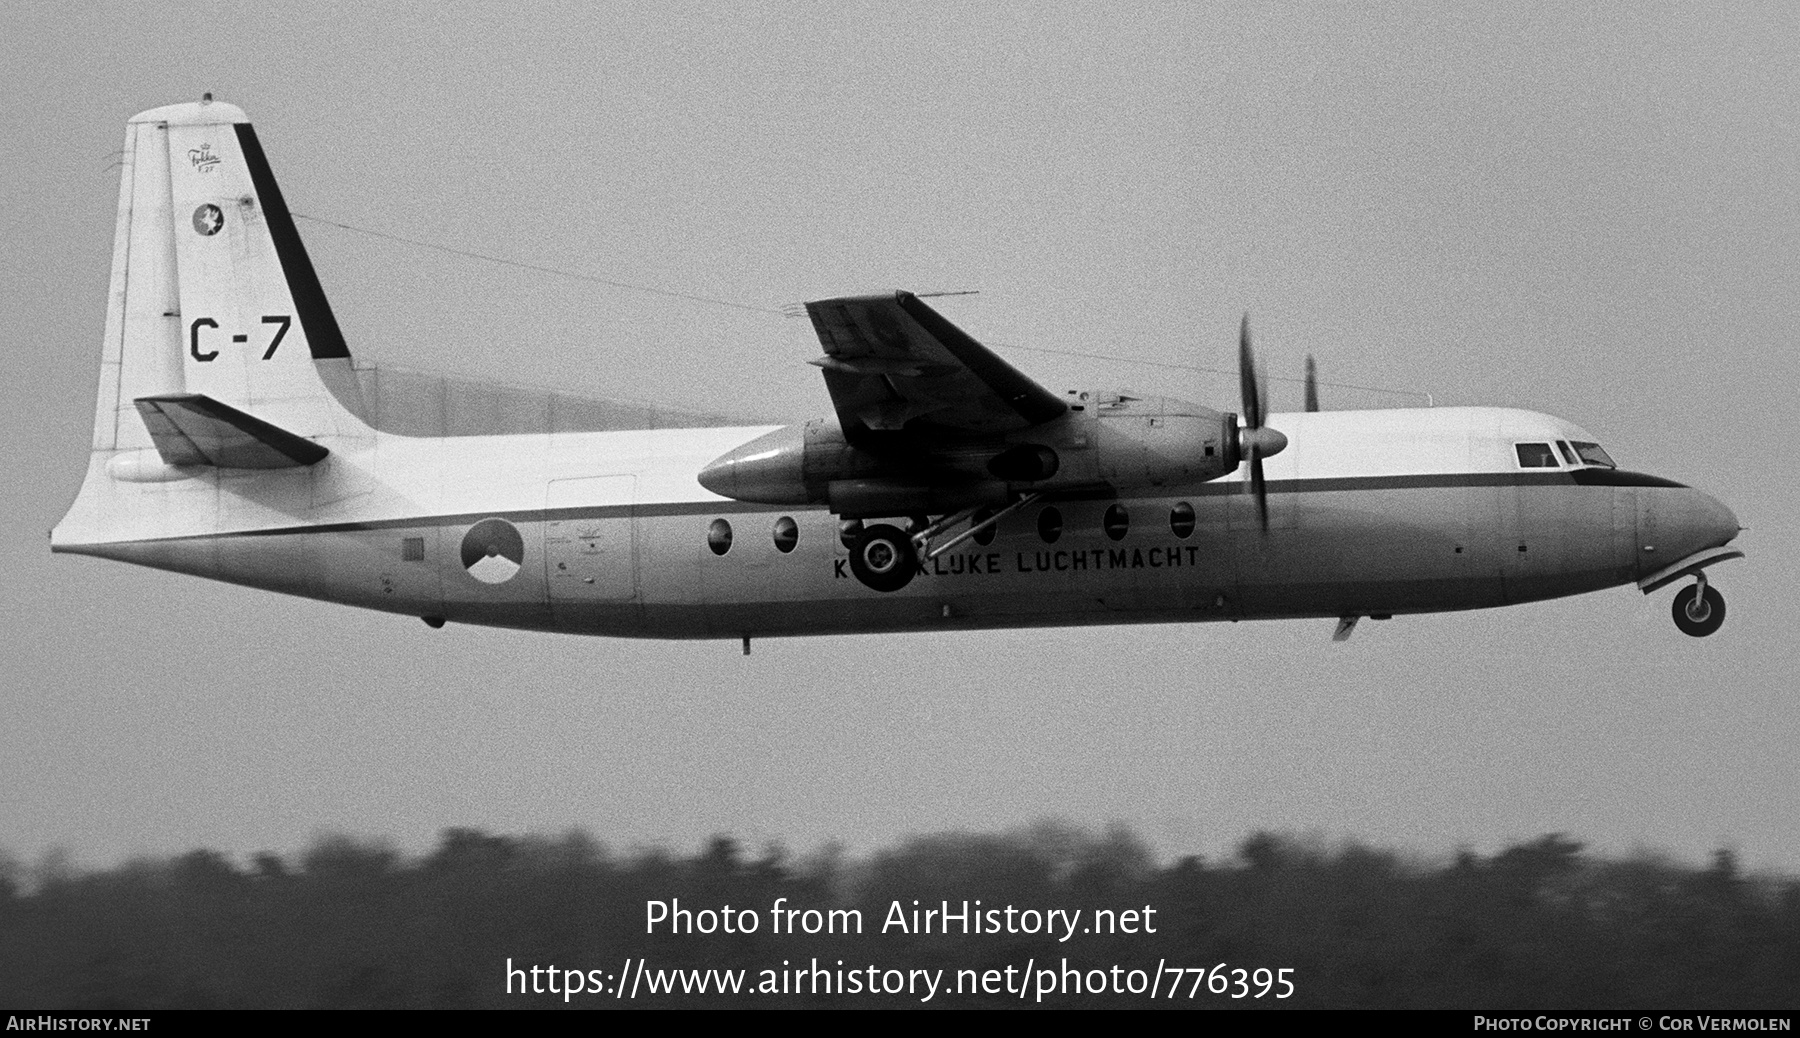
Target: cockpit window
1536	456
1593	455
1567	453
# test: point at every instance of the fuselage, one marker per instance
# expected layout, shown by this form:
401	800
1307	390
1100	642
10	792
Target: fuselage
1371	513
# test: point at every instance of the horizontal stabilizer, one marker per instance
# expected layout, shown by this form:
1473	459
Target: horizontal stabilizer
191	429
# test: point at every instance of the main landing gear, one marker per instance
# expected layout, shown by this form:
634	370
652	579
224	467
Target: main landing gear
885	557
1699	609
882	557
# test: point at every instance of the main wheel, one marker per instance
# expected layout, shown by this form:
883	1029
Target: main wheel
1698	615
883	558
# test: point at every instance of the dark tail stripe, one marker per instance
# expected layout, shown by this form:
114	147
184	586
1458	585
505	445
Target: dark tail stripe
322	332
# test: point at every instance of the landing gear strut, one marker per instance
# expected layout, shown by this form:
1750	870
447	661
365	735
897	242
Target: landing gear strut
1699	609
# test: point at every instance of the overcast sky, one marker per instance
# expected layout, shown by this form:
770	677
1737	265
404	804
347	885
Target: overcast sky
1589	210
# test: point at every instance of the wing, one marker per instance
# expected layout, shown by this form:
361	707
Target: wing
892	362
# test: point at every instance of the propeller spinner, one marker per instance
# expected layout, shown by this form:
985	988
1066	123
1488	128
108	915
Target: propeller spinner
1256	441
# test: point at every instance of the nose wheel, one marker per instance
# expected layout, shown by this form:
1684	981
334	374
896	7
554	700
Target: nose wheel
1699	609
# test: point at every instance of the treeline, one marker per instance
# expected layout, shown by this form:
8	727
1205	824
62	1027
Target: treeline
352	923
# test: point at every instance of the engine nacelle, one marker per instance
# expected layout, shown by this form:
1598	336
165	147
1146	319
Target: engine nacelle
793	465
1114	444
871	498
1159	442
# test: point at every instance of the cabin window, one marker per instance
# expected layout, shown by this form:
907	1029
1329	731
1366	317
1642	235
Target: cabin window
985	537
1050	524
412	549
1116	521
787	534
1568	452
1593	455
1536	456
718	536
1181	520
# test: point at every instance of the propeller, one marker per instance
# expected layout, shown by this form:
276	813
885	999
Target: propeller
1255	440
1312	384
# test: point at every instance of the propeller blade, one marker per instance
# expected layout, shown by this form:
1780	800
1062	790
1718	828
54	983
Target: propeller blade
1312	384
1254	440
1259	487
1247	387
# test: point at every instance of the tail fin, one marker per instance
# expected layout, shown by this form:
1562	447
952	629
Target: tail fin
212	291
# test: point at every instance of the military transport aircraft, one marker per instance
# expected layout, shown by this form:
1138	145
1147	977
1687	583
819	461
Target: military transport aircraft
235	439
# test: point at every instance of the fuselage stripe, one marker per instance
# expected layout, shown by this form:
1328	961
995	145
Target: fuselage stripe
1229	486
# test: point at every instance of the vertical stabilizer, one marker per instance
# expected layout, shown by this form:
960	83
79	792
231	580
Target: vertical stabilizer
218	344
212	291
141	354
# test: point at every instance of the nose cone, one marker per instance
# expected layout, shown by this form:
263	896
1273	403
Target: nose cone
1684	521
1714	522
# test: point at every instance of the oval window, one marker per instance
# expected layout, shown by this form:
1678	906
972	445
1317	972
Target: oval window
1050	525
1116	522
985	537
718	536
787	534
1181	520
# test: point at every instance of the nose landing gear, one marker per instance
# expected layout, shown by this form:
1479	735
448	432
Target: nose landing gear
1699	609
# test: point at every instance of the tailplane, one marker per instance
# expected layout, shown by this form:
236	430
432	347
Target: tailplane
197	430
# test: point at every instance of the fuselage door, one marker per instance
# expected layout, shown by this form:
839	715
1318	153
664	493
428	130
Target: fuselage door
590	539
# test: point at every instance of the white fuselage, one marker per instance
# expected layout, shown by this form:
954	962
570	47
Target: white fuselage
1371	513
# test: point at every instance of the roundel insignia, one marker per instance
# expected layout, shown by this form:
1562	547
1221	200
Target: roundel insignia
208	219
493	551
